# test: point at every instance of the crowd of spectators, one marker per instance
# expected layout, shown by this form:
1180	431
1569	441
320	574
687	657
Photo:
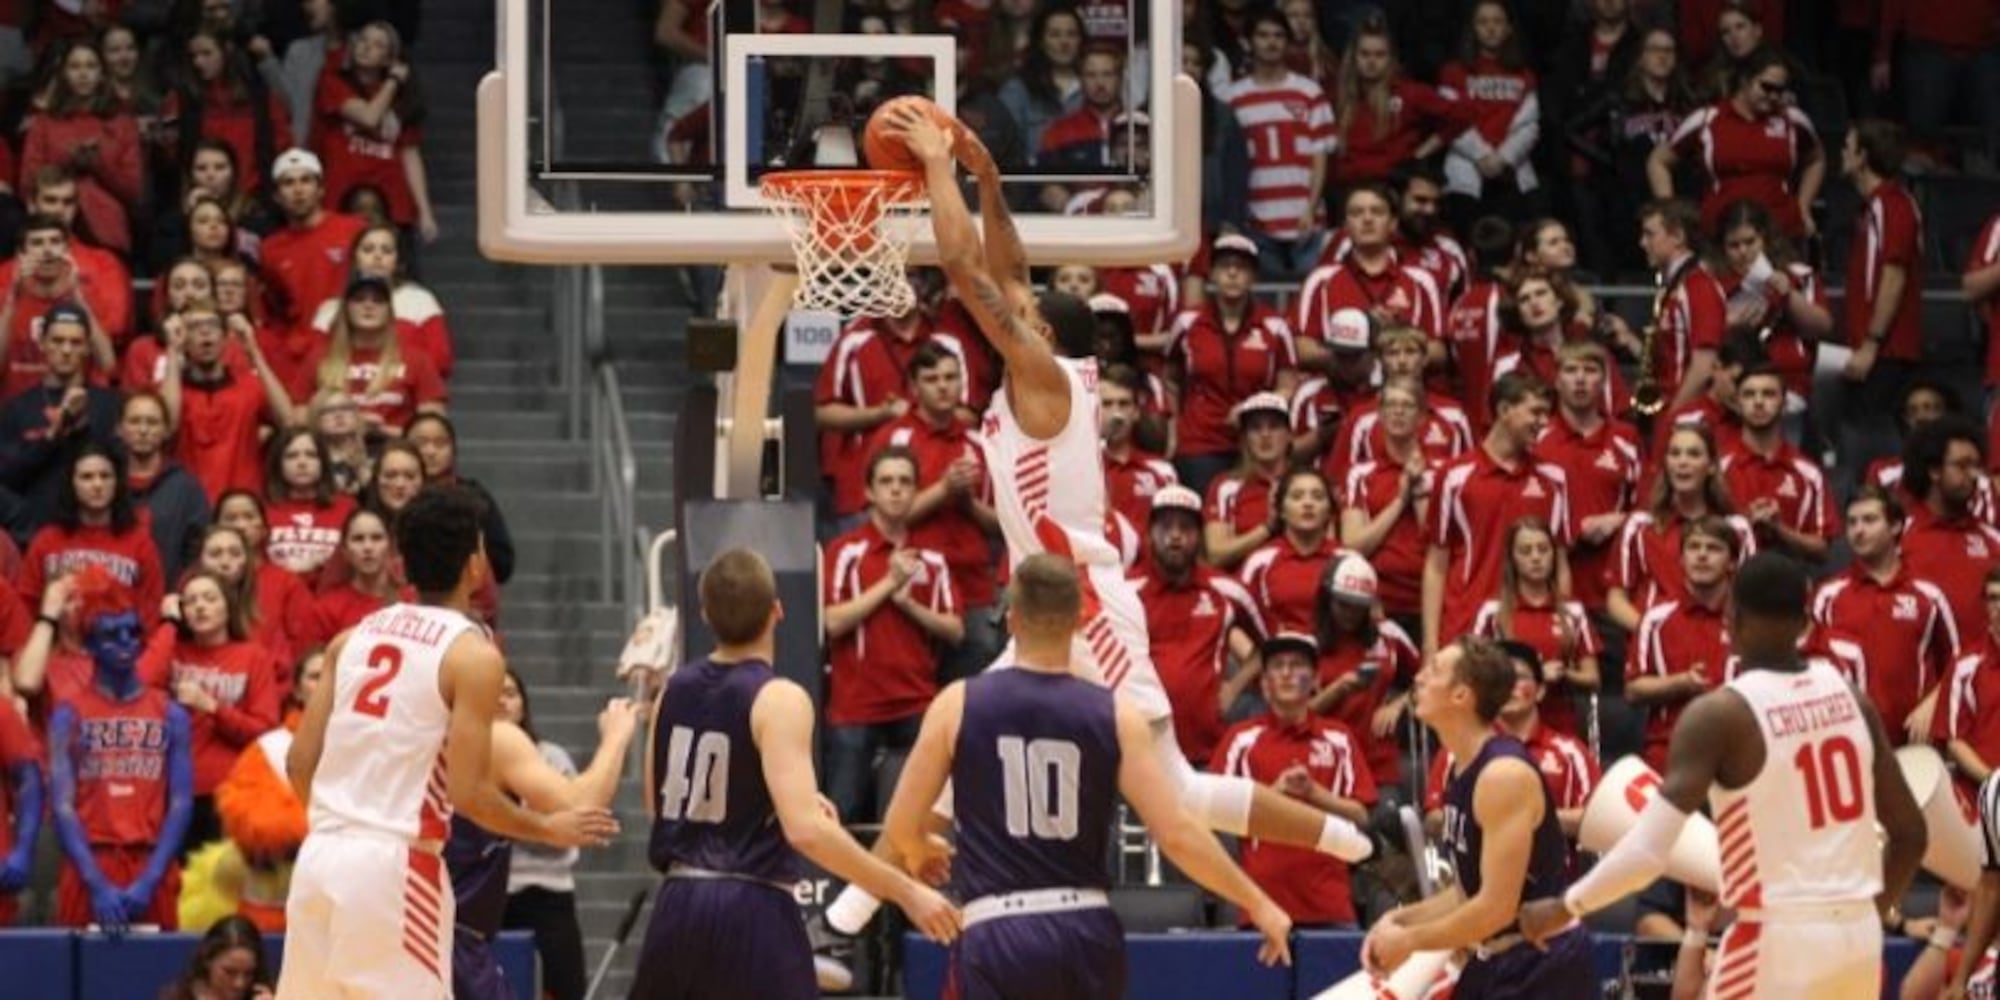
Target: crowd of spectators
1381	407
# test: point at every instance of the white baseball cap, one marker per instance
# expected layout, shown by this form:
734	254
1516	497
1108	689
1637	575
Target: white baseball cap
1263	402
295	160
1349	330
1354	581
1105	302
1177	497
1233	243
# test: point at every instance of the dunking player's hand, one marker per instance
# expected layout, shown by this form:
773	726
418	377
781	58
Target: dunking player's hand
1541	918
972	152
1276	926
930	913
582	827
927	141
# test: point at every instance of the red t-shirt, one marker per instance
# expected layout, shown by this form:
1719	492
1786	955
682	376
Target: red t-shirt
1954	554
1369	152
1962	29
237	675
413	383
886	668
303	534
218	435
288	621
1399	559
1647	561
1474	503
1905	631
103	192
1891	232
1407	293
1129	485
1311	886
129	557
1601	469
1284	581
233	120
1188	626
1748	159
1393	658
355	156
420	326
343	605
1221	368
119	753
1673	638
950	530
306	265
1563	634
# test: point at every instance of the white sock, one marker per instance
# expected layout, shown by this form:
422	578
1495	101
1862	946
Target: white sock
1339	838
853	908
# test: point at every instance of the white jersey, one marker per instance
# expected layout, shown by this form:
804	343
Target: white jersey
1049	496
382	767
1803	830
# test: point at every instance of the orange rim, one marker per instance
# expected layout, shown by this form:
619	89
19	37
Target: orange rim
896	185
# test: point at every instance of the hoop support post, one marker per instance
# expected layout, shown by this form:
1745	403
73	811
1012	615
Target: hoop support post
742	456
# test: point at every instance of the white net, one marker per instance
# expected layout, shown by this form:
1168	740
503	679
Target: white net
851	233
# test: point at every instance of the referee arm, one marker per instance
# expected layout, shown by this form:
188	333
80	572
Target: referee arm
1985	920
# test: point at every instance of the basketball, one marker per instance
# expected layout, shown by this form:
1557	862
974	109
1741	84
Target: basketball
883	149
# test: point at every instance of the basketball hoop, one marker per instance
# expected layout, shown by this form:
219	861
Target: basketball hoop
851	232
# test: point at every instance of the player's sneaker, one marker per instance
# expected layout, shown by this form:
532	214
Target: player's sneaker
833	956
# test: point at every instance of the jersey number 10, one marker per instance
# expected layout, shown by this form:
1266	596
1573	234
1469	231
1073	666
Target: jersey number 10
1041	778
695	790
1831	770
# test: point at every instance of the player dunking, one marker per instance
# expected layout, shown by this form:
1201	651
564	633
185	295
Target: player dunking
1042	448
729	780
1506	845
1039	758
369	912
1798	773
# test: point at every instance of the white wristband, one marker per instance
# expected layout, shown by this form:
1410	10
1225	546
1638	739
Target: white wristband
1944	939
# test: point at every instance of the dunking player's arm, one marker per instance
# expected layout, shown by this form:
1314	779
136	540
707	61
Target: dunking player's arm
1140	780
1507	804
1036	386
781	724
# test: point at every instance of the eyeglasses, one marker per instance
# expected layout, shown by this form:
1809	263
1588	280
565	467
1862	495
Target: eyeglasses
1774	89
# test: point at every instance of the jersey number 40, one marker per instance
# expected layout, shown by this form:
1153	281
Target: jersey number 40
696	788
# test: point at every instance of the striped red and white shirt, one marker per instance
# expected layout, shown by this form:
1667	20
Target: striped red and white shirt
1287	124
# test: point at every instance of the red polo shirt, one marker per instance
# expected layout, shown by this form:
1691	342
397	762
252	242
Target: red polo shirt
1887	472
1393	657
1646	563
1311	886
1152	293
1905	631
1444	435
886	668
1805	504
1601	469
1399	559
1319	402
1476	337
1563	633
1408	294
1540	359
1702	411
218	435
1130	484
1955	554
1474	503
950	530
1695	318
1188	625
1221	368
1971	705
1567	767
1242	502
868	366
1748	159
1673	638
1891	232
1284	581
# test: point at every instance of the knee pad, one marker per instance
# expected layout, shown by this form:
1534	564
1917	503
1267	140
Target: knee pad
1217	801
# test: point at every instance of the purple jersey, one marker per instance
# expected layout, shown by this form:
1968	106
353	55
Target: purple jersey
478	861
1547	861
715	812
1034	781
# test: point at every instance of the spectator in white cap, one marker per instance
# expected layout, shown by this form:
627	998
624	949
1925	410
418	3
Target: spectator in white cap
305	261
1348	385
1219	355
1239	505
1366	663
1383	501
1307	756
1201	623
1133	473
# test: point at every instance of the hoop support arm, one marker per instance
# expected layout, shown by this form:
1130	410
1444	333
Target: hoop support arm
750	402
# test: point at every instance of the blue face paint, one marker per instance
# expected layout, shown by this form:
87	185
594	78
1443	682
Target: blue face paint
114	642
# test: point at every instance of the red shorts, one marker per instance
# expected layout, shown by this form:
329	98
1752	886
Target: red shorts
121	866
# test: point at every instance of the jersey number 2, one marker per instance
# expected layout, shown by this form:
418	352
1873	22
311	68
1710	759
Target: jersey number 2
1832	772
695	790
1041	778
385	661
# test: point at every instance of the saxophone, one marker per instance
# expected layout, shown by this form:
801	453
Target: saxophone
1647	397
